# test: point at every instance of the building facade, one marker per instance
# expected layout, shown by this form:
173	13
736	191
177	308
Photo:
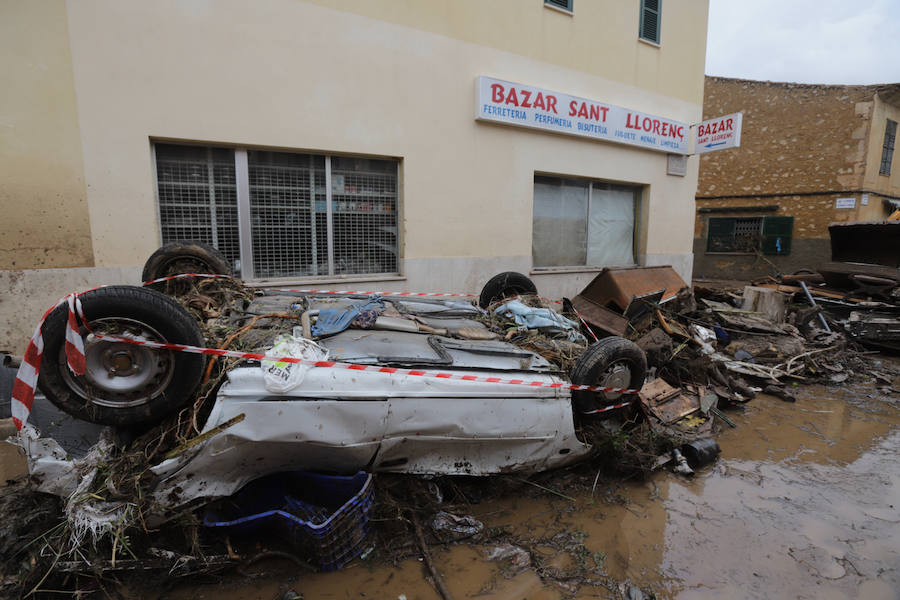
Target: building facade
388	144
810	155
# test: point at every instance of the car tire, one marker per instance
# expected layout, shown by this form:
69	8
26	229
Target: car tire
611	362
124	384
503	285
176	258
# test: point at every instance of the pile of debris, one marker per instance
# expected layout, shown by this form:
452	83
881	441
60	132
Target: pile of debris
708	350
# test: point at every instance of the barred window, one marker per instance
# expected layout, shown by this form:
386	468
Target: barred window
887	150
303	214
748	235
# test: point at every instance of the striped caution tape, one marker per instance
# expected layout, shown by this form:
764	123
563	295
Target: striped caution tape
25	384
26	378
357	367
312	291
333	292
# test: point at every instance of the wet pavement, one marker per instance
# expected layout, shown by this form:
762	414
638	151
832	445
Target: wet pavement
803	503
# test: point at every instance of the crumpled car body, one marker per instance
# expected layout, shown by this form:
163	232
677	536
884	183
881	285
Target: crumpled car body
343	421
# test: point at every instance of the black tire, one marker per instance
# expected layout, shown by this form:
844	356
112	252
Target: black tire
503	285
157	382
611	362
176	258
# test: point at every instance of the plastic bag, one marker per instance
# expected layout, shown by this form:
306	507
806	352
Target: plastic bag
281	377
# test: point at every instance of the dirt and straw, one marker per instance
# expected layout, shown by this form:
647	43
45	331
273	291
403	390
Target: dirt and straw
133	559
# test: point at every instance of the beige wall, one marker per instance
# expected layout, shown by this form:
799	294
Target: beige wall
886	184
389	78
599	38
229	72
43	208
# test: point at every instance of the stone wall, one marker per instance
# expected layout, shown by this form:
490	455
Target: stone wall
802	147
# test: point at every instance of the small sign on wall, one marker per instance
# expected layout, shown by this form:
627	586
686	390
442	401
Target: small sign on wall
676	165
845	203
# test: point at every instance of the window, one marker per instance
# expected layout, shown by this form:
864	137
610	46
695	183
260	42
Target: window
748	235
303	214
583	223
887	151
561	4
651	11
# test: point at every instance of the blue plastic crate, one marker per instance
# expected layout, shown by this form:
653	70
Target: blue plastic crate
325	517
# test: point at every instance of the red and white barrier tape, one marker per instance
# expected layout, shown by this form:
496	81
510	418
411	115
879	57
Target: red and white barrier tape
335	292
27	376
356	367
25	384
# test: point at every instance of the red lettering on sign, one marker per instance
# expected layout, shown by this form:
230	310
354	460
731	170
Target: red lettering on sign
539	102
527	95
551	103
729	123
647	123
496	92
629	124
572	110
656	126
512	98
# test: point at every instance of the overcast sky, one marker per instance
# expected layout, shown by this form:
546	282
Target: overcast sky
808	41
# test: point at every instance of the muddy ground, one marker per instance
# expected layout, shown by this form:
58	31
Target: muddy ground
804	502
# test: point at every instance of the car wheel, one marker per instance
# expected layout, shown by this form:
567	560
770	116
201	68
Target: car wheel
611	362
123	384
504	285
176	258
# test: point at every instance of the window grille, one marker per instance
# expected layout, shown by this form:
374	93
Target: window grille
651	12
198	197
748	235
290	203
887	151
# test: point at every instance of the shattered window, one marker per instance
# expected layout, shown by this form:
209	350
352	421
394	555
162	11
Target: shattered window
294	223
580	222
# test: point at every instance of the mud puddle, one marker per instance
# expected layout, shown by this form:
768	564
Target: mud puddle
803	503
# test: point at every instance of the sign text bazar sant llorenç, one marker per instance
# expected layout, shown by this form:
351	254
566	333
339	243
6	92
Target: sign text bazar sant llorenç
526	106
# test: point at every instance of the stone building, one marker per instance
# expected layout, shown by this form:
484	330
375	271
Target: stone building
392	145
810	155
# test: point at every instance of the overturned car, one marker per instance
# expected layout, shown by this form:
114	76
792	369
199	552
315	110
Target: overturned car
335	382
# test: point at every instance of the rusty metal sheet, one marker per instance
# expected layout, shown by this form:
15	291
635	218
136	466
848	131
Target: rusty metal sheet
614	288
600	317
667	403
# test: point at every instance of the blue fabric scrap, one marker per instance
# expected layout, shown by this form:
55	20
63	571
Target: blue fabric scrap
529	317
336	320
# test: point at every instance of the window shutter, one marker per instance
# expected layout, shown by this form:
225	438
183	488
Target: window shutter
563	4
721	234
650	17
776	235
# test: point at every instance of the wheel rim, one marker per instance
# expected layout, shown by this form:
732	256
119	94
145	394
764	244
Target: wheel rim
616	375
118	374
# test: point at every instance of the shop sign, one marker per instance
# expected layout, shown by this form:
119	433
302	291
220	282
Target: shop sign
527	106
718	134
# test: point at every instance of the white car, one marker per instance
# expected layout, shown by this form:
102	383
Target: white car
337	419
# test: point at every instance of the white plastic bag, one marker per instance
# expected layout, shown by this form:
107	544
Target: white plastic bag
280	376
